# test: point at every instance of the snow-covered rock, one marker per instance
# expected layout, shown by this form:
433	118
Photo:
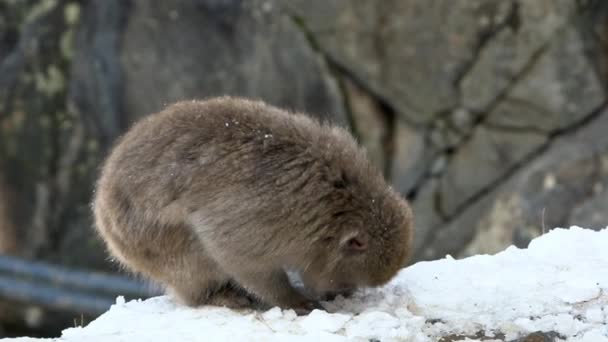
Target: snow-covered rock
559	285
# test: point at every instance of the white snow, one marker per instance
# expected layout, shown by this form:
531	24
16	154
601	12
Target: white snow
559	284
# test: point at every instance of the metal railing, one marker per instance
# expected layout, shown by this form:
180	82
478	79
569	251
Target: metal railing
61	288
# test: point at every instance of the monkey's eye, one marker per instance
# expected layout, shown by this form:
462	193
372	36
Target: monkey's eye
339	184
342	182
339	213
328	239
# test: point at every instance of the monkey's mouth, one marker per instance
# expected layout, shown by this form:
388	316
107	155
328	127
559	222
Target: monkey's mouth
327	291
344	291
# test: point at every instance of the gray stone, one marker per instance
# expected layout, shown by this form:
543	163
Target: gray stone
426	219
462	120
453	234
483	160
96	85
175	50
443	135
370	123
563	187
512	49
561	88
411	158
592	213
496	230
412	53
8	229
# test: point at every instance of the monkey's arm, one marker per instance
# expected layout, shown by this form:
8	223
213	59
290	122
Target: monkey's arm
274	288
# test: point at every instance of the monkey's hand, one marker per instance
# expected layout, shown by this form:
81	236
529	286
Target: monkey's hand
273	287
306	307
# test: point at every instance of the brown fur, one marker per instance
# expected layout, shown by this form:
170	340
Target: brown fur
216	199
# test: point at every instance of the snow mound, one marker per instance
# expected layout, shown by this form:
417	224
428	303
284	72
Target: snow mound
559	285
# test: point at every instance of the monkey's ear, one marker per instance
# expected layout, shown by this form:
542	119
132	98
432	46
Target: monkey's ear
354	242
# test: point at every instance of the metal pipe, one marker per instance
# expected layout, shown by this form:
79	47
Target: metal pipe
23	291
89	281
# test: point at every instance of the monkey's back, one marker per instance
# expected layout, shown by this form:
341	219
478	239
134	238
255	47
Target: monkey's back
232	169
208	194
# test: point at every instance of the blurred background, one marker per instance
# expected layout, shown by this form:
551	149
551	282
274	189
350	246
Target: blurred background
490	116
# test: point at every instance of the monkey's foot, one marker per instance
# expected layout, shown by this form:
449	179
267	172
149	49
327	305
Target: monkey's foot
306	307
232	297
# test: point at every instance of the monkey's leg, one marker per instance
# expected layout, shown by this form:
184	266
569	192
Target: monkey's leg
274	288
168	253
198	280
175	258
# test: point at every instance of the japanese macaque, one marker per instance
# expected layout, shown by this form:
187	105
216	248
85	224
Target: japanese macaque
216	199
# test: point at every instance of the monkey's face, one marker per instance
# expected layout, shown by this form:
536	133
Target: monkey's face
365	249
329	275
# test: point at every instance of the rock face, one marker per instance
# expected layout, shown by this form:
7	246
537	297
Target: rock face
247	48
481	92
488	115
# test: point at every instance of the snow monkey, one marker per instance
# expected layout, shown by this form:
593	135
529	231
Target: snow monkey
217	199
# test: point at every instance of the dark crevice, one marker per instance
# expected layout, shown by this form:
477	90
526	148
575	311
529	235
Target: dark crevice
480	118
579	124
13	64
515	129
427	175
389	142
300	25
389	112
38	36
439	208
511	21
98	41
344	98
594	13
35	54
502	95
530	105
338	73
340	69
382	101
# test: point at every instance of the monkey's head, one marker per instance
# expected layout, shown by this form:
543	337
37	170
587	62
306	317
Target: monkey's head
365	240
